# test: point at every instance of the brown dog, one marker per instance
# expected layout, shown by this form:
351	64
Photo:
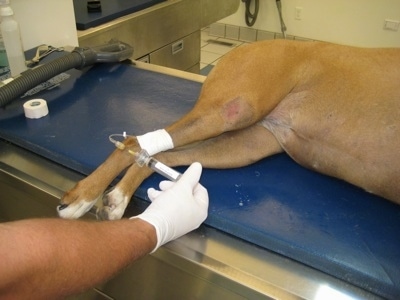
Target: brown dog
334	109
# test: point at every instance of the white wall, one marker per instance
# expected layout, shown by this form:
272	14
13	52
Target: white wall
46	22
351	22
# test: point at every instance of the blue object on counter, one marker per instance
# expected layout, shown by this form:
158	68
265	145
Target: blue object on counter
110	10
275	203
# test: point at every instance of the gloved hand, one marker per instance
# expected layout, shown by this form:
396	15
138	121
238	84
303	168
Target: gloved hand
178	208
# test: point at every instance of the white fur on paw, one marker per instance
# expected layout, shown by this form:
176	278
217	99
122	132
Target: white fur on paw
115	203
75	210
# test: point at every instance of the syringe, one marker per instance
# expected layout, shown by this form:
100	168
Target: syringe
143	158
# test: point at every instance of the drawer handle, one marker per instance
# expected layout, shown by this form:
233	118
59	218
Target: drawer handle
177	47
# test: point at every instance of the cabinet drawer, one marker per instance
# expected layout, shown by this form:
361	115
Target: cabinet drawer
182	54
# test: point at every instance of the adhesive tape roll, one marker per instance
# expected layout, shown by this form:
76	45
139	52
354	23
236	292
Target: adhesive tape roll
35	108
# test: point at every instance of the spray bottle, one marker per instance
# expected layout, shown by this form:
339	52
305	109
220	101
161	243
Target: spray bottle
12	39
4	67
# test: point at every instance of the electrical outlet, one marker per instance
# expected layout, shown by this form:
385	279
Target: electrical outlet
298	15
393	25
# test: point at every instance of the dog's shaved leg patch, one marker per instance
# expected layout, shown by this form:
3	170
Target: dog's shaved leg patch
237	113
156	141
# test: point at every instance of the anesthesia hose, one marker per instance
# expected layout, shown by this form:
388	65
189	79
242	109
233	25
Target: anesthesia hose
79	58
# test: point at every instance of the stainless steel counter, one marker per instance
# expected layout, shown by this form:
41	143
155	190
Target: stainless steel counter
204	264
156	32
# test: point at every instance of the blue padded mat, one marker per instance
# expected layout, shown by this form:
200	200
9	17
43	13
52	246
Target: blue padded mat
110	10
276	204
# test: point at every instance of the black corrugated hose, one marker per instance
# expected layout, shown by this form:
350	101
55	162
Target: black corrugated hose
78	58
251	18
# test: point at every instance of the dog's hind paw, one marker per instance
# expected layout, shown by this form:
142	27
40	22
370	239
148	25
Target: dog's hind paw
75	209
115	203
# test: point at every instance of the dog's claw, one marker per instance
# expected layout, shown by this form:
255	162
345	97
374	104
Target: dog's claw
101	214
62	206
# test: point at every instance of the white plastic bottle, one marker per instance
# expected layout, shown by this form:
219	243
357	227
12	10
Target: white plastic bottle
12	39
4	68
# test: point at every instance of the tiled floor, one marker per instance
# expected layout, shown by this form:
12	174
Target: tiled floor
212	49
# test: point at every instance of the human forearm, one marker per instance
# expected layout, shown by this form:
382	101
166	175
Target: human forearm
55	257
52	258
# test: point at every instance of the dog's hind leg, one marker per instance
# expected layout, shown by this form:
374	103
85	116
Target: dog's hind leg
118	198
80	199
232	98
229	150
238	93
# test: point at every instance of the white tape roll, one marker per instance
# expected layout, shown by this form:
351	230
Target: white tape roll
35	108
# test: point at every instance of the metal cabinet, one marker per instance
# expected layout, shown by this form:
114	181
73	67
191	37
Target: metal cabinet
183	54
166	34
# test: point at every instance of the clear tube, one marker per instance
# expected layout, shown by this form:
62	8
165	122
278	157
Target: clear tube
143	158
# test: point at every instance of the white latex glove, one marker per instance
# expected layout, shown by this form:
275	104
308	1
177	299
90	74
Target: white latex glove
178	208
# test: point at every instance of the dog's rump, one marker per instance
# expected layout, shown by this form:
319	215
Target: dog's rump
275	203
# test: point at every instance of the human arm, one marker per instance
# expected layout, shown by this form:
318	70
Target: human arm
56	257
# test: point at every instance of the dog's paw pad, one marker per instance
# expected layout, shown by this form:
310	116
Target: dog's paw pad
110	213
114	203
